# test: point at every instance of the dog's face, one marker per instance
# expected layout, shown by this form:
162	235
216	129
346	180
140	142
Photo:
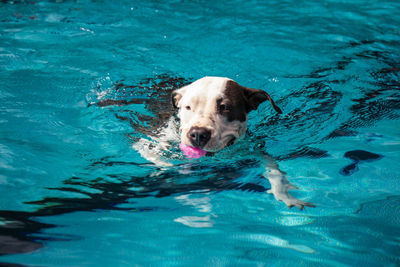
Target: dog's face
213	111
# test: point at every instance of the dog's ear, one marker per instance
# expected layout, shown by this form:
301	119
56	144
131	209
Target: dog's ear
254	97
176	96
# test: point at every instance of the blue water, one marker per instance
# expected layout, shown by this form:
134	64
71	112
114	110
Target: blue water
73	192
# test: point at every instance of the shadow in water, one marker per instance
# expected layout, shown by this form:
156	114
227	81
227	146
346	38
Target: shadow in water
358	156
20	232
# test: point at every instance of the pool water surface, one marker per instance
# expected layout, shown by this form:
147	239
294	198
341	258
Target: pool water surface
82	81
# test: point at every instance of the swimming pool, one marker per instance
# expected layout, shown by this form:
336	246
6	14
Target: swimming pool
73	192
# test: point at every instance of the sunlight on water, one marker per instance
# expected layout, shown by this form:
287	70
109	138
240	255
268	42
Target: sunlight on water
278	242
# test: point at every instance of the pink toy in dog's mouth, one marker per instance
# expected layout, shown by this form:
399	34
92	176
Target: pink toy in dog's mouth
192	152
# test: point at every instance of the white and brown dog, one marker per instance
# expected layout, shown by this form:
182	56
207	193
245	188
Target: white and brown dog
213	113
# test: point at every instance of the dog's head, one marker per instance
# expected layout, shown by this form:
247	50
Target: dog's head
213	111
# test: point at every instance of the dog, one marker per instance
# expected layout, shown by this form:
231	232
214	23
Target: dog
212	114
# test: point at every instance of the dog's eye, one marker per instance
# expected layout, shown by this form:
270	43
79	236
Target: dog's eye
187	108
223	108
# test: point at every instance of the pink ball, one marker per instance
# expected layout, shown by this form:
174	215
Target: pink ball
192	152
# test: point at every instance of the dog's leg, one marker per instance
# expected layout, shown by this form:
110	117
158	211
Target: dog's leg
150	152
152	149
280	185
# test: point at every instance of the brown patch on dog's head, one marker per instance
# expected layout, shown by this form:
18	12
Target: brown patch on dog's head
234	102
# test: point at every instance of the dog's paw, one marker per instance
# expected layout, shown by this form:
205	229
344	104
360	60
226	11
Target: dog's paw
290	201
300	204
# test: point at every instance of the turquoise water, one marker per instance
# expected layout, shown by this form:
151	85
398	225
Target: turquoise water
73	192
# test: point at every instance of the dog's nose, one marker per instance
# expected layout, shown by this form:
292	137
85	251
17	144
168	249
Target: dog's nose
199	136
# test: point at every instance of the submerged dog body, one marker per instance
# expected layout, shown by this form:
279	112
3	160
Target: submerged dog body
213	113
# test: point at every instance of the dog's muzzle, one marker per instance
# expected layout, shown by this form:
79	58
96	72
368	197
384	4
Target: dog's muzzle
199	136
231	142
